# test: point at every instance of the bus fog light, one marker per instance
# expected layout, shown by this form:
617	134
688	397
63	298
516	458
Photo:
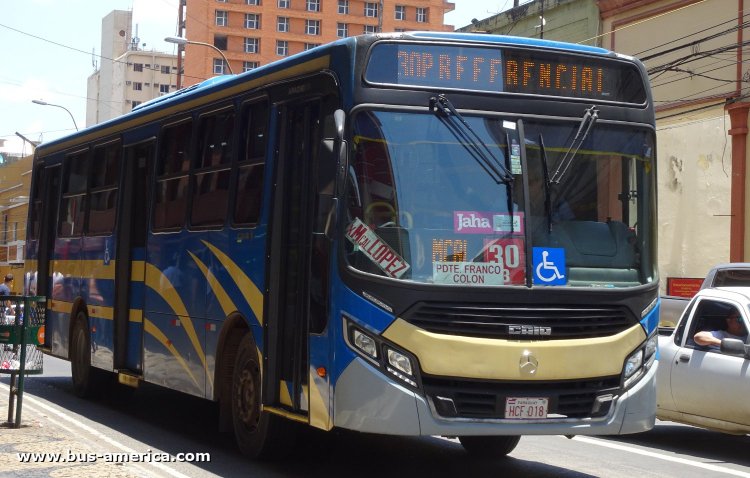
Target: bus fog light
365	343
399	361
633	364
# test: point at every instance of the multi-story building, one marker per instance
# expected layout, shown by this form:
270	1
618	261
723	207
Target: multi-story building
251	33
15	180
127	75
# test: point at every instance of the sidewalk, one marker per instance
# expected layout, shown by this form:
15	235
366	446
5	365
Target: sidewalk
54	450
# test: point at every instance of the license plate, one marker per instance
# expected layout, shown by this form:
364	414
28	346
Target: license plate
526	408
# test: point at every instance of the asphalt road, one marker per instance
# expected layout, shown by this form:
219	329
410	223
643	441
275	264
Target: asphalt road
155	419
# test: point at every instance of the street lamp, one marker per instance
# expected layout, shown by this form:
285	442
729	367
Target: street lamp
185	41
44	103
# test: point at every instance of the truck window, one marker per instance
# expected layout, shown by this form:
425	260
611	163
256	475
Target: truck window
683	323
732	278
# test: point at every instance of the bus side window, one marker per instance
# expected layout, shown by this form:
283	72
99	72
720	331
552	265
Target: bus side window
103	198
172	181
211	187
251	164
73	207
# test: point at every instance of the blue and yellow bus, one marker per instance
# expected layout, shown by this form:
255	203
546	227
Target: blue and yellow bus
409	234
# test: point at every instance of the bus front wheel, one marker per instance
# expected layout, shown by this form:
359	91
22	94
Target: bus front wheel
258	434
489	446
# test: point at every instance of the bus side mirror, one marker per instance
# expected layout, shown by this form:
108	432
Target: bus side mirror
339	119
339	145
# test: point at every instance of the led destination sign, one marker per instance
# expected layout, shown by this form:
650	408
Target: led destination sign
504	70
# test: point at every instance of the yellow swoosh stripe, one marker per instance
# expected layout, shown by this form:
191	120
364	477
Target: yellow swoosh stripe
250	291
154	279
152	329
221	295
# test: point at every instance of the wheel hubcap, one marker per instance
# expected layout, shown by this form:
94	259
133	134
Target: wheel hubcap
247	399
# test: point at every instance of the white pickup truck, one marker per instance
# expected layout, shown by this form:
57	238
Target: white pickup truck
704	386
721	275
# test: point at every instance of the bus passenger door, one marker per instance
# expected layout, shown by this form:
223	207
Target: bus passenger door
46	199
130	256
299	267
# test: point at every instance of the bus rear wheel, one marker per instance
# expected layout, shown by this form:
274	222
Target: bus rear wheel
259	434
489	446
86	379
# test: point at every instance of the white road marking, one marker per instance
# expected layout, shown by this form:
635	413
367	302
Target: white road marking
98	435
659	456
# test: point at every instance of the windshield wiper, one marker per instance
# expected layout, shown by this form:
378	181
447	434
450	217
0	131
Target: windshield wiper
547	194
588	120
470	139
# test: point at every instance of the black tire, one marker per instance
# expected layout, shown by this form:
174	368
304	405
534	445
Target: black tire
489	446
259	435
87	381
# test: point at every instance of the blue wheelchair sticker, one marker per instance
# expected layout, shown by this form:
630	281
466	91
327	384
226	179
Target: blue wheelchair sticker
549	266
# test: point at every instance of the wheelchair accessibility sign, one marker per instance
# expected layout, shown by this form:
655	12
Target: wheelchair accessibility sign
549	266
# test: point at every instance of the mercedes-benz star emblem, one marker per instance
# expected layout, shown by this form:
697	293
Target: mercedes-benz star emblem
528	363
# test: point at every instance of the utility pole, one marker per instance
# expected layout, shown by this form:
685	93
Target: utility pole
541	22
180	47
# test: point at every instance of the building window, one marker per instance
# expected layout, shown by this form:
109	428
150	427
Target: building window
282	24
221	18
400	12
163	89
137	66
252	45
220	42
252	2
342	30
282	47
343	7
313	5
137	86
252	21
422	15
283	3
249	65
312	27
136	103
219	66
371	29
165	69
371	9
310	46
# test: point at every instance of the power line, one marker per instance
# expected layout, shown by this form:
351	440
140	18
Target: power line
113	60
642	21
696	56
694	42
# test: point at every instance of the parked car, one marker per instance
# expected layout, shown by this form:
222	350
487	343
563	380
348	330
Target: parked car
704	386
721	275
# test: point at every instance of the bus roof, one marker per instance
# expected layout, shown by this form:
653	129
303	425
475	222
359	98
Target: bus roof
300	58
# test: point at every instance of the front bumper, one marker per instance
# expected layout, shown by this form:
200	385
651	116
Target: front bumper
365	400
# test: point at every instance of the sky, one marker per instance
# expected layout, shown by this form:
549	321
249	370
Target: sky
48	48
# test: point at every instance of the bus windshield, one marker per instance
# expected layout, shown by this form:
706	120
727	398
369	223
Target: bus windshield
422	206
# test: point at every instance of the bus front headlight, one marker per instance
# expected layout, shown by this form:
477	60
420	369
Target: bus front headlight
633	363
365	343
640	361
400	366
